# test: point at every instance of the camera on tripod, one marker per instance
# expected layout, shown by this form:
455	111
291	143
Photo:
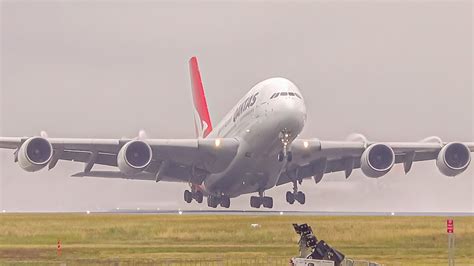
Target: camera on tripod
311	248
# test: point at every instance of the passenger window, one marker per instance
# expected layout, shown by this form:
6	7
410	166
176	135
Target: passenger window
284	93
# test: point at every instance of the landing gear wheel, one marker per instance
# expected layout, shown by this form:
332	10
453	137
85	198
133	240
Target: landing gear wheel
188	196
267	202
198	196
212	201
255	202
281	156
225	202
290	197
300	197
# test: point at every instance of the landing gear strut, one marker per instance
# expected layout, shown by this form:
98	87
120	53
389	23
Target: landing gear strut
190	195
285	137
261	200
295	195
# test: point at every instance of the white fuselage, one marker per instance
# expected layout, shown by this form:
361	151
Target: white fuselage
257	122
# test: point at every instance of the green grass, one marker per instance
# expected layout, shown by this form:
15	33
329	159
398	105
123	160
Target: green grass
104	238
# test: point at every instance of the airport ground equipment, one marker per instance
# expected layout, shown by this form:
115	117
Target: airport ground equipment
311	262
319	253
311	248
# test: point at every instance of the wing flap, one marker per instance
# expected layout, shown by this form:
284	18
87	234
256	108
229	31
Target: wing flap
173	173
84	157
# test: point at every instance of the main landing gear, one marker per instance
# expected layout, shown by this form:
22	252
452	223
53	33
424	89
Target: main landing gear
261	200
285	137
190	195
213	201
296	195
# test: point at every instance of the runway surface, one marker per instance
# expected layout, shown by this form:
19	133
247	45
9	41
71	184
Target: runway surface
263	213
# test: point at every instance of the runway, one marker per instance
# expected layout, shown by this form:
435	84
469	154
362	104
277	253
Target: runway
278	212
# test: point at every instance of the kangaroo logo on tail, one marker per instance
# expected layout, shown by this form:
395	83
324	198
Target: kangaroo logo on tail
202	120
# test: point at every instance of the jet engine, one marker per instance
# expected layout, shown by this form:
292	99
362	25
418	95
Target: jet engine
453	159
377	160
34	154
134	157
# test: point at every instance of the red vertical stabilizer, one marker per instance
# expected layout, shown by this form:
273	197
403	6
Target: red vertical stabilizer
202	120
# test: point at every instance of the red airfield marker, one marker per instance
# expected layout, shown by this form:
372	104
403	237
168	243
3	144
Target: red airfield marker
450	226
451	238
59	248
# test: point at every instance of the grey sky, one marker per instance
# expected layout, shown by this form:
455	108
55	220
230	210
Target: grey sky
393	71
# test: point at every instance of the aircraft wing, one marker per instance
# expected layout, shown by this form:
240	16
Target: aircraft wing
181	160
314	158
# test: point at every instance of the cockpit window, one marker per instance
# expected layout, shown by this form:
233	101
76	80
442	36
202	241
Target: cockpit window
274	95
292	94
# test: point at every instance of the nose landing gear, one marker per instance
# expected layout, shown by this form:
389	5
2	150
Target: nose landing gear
285	137
282	156
295	195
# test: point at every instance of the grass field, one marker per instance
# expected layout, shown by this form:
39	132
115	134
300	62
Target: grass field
157	239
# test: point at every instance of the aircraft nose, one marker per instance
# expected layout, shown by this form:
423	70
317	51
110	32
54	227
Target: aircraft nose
292	115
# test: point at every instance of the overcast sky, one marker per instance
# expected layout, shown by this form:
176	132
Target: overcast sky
395	71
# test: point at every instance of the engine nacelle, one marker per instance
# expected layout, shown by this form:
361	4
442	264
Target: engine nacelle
377	160
34	154
134	157
453	159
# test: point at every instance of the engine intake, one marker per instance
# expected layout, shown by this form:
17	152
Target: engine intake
377	160
134	157
453	159
34	154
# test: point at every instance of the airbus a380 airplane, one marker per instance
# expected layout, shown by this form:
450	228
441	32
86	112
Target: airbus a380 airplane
253	149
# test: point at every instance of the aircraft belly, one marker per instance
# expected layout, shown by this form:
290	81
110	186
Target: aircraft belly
255	168
246	177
